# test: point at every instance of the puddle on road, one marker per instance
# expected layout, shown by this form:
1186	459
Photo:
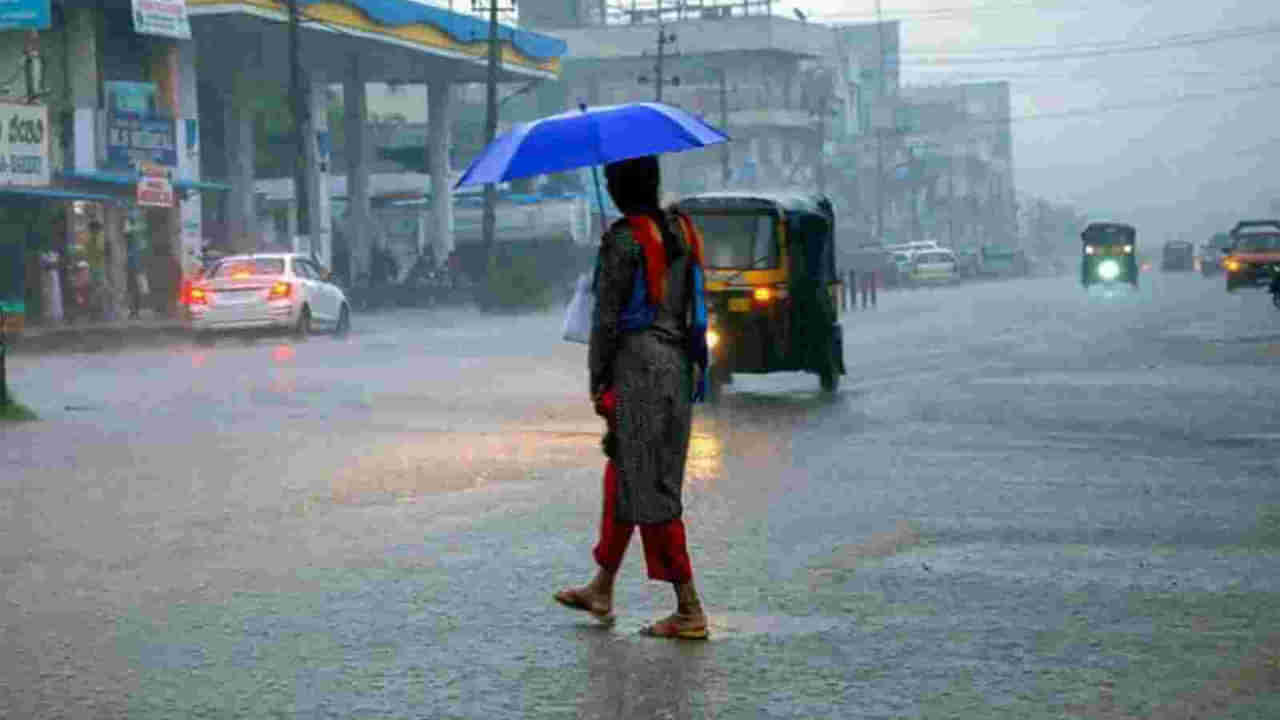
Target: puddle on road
431	463
731	626
777	626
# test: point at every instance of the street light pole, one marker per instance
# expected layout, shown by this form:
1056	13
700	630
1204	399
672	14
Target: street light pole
724	127
879	129
489	219
301	106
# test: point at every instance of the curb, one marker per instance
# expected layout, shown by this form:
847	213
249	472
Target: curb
89	338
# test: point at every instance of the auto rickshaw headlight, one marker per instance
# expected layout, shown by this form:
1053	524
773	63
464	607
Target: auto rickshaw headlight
713	339
1128	249
1109	270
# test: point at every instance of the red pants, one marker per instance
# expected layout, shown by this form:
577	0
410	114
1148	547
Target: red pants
665	551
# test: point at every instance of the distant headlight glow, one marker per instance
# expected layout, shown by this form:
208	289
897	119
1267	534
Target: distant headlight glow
713	339
1128	249
1109	270
1234	265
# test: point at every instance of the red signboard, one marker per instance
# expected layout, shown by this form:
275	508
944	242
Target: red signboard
155	191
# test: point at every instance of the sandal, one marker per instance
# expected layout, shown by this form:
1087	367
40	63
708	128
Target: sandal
576	599
679	627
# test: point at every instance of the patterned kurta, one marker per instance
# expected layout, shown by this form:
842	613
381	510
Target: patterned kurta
651	374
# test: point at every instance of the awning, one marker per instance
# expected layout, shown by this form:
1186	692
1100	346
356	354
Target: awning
131	178
54	193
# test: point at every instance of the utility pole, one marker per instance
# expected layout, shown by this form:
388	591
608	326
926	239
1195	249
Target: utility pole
664	39
880	129
822	142
489	217
301	105
724	126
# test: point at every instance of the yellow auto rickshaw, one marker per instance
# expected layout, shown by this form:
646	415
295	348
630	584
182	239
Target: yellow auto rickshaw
773	292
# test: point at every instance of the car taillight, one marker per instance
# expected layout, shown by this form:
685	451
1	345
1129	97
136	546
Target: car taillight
197	296
280	291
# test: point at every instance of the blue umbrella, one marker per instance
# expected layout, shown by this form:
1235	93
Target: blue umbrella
589	137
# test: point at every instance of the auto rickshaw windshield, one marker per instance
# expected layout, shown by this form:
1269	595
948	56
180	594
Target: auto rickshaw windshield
734	241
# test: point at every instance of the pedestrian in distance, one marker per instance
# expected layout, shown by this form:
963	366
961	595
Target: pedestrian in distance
647	359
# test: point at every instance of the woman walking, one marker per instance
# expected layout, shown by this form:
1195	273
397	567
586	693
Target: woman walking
645	341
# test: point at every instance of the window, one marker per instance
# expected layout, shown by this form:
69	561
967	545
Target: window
247	267
302	269
1258	242
739	241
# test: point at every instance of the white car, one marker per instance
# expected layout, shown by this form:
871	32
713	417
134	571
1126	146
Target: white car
268	290
934	267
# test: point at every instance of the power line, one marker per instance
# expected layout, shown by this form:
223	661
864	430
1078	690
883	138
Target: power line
1148	46
1217	33
1097	110
951	13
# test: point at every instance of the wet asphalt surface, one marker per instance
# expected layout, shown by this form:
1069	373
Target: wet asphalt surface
1024	502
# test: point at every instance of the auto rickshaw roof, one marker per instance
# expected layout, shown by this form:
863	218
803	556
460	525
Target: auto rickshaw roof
1246	226
782	202
1103	231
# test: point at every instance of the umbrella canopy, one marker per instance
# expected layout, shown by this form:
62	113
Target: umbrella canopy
588	137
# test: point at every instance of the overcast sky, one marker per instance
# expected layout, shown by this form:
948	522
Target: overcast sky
1171	167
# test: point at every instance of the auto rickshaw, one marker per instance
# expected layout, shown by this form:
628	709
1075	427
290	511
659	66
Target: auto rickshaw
1109	255
773	292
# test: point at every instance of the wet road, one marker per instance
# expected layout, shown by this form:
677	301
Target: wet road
1024	502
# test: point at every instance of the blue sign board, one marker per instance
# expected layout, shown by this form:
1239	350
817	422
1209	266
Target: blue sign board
136	133
25	14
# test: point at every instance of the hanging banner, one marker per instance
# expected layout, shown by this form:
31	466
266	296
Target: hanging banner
24	14
167	18
24	144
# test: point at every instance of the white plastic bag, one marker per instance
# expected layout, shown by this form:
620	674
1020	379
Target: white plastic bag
580	313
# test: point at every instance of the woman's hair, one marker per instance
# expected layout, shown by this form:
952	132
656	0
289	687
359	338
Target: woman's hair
634	186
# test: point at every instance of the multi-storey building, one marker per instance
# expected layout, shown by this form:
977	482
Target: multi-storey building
961	159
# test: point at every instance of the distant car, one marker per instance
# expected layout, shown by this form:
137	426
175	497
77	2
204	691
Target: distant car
1213	252
1178	255
275	290
934	267
902	267
1254	256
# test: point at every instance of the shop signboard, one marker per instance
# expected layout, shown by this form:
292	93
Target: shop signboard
24	144
167	18
24	14
155	189
136	134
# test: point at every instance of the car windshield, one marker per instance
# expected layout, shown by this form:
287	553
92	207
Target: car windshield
1256	242
735	241
247	267
935	257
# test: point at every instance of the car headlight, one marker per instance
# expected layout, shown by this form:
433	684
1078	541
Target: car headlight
713	339
1109	270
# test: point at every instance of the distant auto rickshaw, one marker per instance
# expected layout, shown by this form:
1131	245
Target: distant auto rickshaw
1109	255
773	292
1178	255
